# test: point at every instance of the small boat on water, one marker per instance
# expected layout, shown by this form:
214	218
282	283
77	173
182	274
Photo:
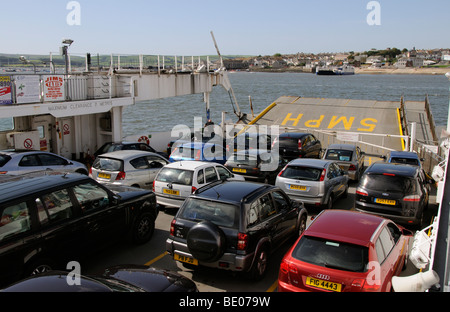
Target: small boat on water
335	70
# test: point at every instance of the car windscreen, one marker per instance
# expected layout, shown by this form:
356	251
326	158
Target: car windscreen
340	155
108	164
302	173
331	254
383	183
176	176
242	159
219	213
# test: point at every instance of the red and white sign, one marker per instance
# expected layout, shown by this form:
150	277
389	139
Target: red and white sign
54	88
28	143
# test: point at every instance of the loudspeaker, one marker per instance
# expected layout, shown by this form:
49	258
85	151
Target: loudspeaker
415	283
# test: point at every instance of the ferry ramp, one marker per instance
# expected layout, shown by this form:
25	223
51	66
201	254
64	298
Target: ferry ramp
376	126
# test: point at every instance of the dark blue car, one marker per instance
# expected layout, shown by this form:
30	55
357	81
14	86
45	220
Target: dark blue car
203	151
403	157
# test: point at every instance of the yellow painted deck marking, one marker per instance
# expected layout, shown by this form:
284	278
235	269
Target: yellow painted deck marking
157	258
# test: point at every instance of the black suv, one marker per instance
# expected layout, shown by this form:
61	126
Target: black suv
395	191
49	219
298	145
234	225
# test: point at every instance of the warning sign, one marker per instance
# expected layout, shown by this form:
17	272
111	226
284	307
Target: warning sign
66	129
54	88
28	144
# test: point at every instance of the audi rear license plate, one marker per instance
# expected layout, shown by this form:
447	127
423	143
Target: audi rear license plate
171	192
185	259
315	282
385	201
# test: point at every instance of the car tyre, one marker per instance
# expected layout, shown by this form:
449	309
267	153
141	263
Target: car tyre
206	241
143	228
302	225
259	267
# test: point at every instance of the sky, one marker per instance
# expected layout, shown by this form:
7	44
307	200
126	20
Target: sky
240	27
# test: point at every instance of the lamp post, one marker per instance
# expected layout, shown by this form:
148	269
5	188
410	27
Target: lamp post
64	49
24	60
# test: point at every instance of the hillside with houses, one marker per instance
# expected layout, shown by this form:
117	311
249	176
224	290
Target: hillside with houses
373	59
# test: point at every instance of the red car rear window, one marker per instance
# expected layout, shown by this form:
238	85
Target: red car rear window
332	254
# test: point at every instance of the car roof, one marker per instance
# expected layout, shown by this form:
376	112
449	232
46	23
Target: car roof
342	146
12	152
345	226
17	186
199	144
253	152
313	162
404	154
293	134
230	191
125	154
190	164
392	168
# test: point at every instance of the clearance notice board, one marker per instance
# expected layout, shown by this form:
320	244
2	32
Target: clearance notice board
54	88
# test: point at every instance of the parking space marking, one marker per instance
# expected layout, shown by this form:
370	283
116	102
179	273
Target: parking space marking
273	287
157	258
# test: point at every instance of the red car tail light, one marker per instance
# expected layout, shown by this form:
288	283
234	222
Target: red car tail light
153	187
172	227
282	170
193	189
412	198
322	176
299	145
363	285
242	241
352	168
361	192
120	176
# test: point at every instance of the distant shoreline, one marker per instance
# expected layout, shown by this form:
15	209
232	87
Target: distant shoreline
369	71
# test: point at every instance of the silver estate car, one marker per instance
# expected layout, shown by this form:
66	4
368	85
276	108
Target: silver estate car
128	167
349	157
24	161
313	181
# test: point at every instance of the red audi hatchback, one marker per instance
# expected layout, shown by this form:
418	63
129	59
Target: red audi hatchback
345	251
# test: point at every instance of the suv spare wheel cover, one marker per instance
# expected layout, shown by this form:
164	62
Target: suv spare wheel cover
206	241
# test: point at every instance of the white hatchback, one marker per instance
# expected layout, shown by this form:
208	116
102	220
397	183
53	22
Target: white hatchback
177	180
127	167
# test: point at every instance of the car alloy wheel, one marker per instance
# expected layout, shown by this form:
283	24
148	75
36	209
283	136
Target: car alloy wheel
259	265
144	228
42	268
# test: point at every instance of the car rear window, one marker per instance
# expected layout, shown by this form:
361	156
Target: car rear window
241	159
4	159
340	155
287	141
393	183
302	173
406	161
177	176
331	254
108	164
219	213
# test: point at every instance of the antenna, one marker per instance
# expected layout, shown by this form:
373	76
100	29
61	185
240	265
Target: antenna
226	83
